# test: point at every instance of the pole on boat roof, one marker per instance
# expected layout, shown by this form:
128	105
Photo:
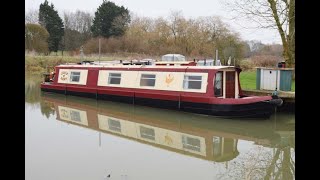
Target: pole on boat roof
216	55
218	63
99	48
81	53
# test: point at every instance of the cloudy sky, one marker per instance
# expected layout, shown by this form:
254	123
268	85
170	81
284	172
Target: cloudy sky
157	8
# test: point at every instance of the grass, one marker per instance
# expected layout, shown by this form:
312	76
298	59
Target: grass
293	86
37	64
248	80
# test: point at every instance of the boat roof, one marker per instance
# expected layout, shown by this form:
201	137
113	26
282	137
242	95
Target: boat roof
144	66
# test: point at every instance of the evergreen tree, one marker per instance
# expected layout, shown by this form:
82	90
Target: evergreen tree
50	19
110	20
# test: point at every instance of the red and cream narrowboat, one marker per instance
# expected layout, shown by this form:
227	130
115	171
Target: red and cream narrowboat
211	90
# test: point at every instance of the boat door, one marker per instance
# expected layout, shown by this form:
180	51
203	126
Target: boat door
230	84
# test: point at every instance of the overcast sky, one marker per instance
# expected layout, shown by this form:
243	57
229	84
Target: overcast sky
157	8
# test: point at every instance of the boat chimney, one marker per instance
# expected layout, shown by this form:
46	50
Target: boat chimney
81	53
216	54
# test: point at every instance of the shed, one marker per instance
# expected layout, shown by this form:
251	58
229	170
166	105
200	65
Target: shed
272	78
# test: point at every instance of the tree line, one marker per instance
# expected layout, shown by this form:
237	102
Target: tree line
121	31
74	29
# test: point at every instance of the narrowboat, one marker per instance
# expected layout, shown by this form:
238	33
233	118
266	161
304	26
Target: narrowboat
210	90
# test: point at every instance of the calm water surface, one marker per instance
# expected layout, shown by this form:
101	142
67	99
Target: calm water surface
78	138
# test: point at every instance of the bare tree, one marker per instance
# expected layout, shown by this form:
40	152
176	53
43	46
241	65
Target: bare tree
197	37
277	14
79	21
77	29
31	16
120	24
174	19
262	163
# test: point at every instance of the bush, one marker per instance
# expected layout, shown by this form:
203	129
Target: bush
266	60
36	38
246	64
34	69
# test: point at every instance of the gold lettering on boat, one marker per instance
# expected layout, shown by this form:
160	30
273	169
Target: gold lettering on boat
168	140
64	76
64	114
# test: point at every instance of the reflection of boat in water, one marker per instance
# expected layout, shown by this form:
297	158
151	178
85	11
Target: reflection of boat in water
191	134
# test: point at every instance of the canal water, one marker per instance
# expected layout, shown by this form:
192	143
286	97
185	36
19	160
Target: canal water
78	138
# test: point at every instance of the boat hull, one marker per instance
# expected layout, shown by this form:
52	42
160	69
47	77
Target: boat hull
261	109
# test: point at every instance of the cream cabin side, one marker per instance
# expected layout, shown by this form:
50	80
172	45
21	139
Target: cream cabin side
154	80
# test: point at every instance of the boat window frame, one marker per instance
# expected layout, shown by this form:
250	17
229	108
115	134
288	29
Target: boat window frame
110	77
187	143
114	127
192	80
148	78
72	75
147	133
214	84
75	115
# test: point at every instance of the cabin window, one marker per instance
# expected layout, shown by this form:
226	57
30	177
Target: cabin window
75	116
148	80
114	125
218	85
114	78
147	133
192	82
191	143
75	77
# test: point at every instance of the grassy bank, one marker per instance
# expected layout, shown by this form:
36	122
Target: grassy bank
37	64
248	80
